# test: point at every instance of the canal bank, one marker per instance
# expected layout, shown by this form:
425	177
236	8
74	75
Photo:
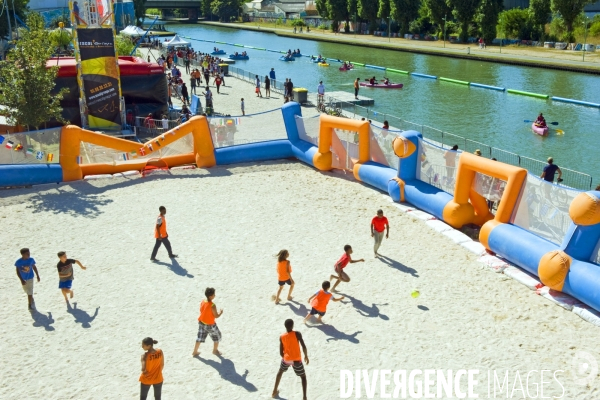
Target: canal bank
471	52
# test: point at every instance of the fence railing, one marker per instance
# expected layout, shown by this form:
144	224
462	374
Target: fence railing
154	127
571	178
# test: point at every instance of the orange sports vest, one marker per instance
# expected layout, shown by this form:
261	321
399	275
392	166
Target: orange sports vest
162	227
206	315
320	301
282	272
291	347
153	368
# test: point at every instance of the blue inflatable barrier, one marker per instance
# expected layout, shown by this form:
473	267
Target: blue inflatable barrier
375	67
423	75
578	102
479	85
252	152
29	174
376	175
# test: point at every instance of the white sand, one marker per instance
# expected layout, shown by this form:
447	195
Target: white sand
226	224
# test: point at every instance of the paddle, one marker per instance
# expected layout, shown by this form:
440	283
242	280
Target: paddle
551	123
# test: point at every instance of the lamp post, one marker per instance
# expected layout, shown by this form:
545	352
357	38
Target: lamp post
354	24
501	40
389	29
445	25
584	37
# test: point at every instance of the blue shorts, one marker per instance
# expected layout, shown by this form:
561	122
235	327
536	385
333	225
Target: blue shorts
65	284
313	311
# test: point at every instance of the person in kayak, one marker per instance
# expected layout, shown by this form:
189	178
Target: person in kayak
540	121
386	81
373	81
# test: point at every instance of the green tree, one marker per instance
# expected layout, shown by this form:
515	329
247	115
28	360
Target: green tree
25	82
515	23
539	14
404	11
206	8
367	9
321	6
488	18
226	9
464	12
20	7
438	11
338	10
352	12
60	38
384	9
569	10
139	8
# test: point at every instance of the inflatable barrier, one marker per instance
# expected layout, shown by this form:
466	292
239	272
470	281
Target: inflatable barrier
578	102
479	85
423	75
357	64
398	71
454	81
375	67
522	93
551	232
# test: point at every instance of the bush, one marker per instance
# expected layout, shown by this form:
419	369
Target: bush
594	29
297	22
152	11
60	38
323	27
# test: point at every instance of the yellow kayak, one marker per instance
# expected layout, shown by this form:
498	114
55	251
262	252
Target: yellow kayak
323	65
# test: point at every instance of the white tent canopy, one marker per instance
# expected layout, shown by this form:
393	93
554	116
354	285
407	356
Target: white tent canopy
176	42
133	31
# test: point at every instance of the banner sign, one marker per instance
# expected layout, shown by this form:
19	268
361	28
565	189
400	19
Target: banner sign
99	77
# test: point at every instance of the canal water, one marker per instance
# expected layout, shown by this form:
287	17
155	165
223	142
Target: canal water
487	116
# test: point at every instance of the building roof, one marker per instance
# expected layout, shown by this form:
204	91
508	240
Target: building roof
292	2
290	7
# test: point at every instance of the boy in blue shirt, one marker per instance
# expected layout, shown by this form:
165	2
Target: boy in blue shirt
25	268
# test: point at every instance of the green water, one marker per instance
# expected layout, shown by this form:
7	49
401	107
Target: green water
490	117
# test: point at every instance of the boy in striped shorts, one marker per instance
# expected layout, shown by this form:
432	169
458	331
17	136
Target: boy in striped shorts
289	348
206	323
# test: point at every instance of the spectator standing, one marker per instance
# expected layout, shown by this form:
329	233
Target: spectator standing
243	107
267	86
257	84
550	170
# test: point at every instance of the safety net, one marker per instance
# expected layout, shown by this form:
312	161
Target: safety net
381	148
438	166
35	147
544	209
490	188
344	148
262	127
308	128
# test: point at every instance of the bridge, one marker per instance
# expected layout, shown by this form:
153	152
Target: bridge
193	7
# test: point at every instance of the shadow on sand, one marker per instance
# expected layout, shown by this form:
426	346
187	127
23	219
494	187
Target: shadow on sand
81	316
335	334
226	369
44	320
424	308
366	311
399	266
175	267
298	308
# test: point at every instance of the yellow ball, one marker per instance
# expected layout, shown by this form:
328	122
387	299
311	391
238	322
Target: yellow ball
415	293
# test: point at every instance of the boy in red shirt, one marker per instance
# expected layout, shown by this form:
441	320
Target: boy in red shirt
319	301
379	223
341	264
289	348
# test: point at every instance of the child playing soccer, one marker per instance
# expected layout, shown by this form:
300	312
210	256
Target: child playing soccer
319	301
291	356
284	274
207	324
25	268
341	264
65	274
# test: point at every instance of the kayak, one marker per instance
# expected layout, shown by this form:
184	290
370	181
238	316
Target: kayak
542	131
383	85
214	53
238	57
284	58
296	55
322	64
315	60
347	68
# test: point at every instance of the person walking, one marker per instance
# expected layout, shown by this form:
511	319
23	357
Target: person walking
243	106
267	86
222	73
379	223
65	274
184	94
207	324
153	362
286	87
289	349
356	87
290	89
284	274
25	267
320	92
272	75
193	85
160	234
208	97
258	92
217	83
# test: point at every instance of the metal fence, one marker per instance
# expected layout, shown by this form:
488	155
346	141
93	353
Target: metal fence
153	127
571	178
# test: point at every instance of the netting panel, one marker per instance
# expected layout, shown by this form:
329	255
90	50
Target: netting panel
36	147
489	187
437	166
349	152
384	138
231	131
544	209
308	129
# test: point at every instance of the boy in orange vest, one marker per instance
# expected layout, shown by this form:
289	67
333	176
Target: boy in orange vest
160	233
289	348
207	324
319	301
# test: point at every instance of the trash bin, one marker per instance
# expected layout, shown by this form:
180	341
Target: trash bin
225	68
300	95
